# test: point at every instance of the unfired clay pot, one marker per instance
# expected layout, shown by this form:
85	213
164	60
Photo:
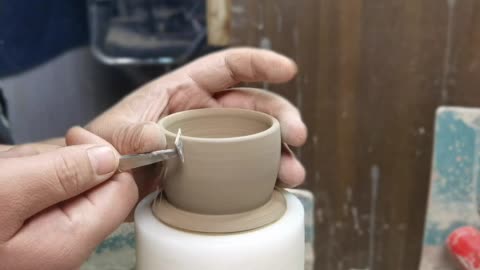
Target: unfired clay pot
231	164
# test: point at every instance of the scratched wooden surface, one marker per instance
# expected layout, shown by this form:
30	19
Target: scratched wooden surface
372	73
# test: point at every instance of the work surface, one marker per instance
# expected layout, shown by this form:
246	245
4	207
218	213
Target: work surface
117	252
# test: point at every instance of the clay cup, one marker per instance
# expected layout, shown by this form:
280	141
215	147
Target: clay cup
232	158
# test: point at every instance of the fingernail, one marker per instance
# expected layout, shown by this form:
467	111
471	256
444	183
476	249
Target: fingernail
102	159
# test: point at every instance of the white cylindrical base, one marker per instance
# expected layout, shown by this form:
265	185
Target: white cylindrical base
279	245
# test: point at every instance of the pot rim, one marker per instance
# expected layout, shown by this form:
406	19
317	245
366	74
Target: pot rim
274	124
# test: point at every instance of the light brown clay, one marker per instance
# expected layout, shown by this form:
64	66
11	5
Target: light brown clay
231	163
244	221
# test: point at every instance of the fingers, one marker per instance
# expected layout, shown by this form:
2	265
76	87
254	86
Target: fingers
28	150
103	208
127	125
130	138
292	172
219	71
78	135
294	131
65	236
31	184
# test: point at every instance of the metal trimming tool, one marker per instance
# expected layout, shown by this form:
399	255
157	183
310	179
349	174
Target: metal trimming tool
128	162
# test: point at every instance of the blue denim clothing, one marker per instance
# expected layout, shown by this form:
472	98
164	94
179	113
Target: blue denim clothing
32	32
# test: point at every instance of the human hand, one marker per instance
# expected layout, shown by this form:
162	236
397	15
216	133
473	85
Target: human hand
56	204
131	126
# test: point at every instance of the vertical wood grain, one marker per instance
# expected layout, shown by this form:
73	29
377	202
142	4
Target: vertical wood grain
218	22
372	73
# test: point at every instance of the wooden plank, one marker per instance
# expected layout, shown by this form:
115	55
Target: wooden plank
461	85
218	22
370	78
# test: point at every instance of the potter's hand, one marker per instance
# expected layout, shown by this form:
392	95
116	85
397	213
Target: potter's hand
56	205
207	82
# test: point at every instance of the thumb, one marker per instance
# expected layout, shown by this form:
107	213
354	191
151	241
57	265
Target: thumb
43	180
131	138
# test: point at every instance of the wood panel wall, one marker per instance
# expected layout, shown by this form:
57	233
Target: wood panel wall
372	73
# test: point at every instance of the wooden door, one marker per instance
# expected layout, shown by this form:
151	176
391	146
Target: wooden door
372	73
